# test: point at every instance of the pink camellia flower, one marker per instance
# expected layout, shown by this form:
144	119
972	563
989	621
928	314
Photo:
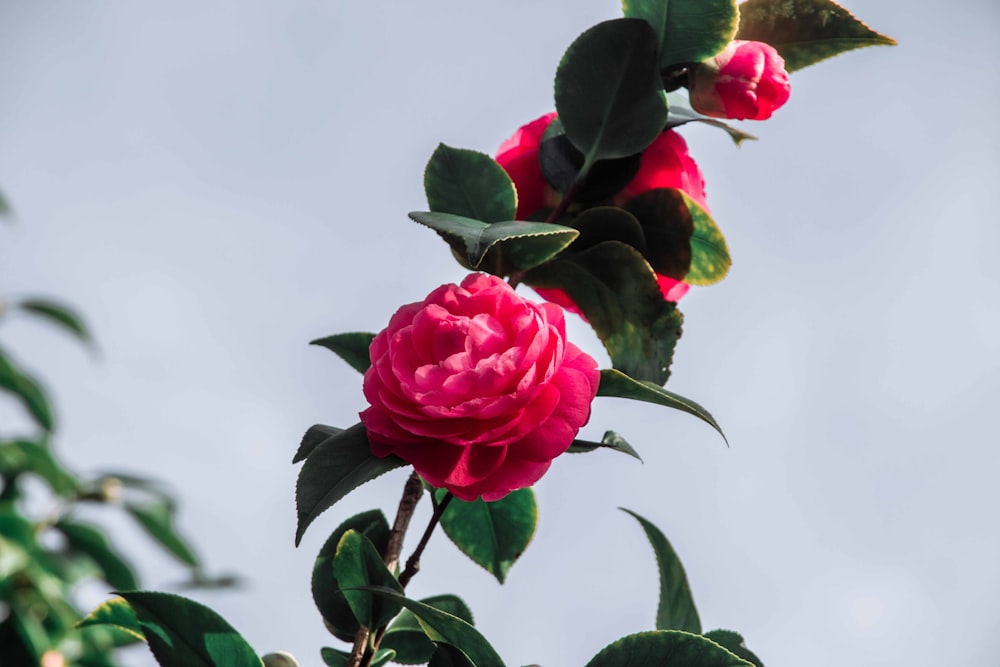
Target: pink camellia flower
665	163
746	80
477	388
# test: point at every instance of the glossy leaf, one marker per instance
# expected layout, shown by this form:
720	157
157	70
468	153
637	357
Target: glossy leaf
90	540
335	658
326	589
27	390
617	384
611	440
608	91
157	517
680	115
616	289
469	184
26	456
676	610
313	438
337	466
561	163
688	30
184	633
442	627
806	32
408	639
494	534
116	612
449	656
665	647
356	564
682	240
57	314
500	248
733	642
351	347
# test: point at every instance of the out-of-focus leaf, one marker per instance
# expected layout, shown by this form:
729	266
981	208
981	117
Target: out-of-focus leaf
410	641
57	313
617	384
469	184
805	32
91	541
351	347
157	517
337	466
27	390
676	610
611	440
20	456
357	565
665	647
494	534
688	30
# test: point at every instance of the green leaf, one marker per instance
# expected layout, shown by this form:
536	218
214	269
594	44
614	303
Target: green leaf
326	589
351	347
357	564
608	90
617	384
335	658
665	647
495	534
337	466
682	240
157	517
89	540
688	30
561	163
27	390
679	115
407	637
5	209
313	438
469	184
676	610
611	440
805	32
616	289
20	456
58	314
733	642
184	633
115	612
500	248
444	628
449	656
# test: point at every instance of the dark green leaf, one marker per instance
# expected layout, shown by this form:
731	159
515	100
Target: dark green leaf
356	564
337	466
679	115
733	642
326	591
500	248
115	612
408	639
469	184
58	314
495	534
682	240
665	647
91	541
313	438
805	32
611	440
157	517
5	209
561	163
19	456
616	384
449	656
442	627
608	90
676	610
351	347
27	390
335	658
689	30
184	633
616	289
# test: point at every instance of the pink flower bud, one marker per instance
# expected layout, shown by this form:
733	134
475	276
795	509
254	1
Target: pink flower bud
746	80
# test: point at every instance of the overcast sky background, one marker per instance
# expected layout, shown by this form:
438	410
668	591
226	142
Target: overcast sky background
215	184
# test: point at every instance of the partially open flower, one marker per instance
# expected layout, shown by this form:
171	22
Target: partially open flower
747	80
477	388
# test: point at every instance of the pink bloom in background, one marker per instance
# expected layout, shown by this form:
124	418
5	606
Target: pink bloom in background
519	158
746	80
477	388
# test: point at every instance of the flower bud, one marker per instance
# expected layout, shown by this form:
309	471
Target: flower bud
747	80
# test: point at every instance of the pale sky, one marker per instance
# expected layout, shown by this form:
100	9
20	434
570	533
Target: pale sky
215	184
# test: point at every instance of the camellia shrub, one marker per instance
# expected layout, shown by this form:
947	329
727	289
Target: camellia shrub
600	208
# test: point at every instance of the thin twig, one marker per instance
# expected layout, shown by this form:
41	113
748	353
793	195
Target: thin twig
413	562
